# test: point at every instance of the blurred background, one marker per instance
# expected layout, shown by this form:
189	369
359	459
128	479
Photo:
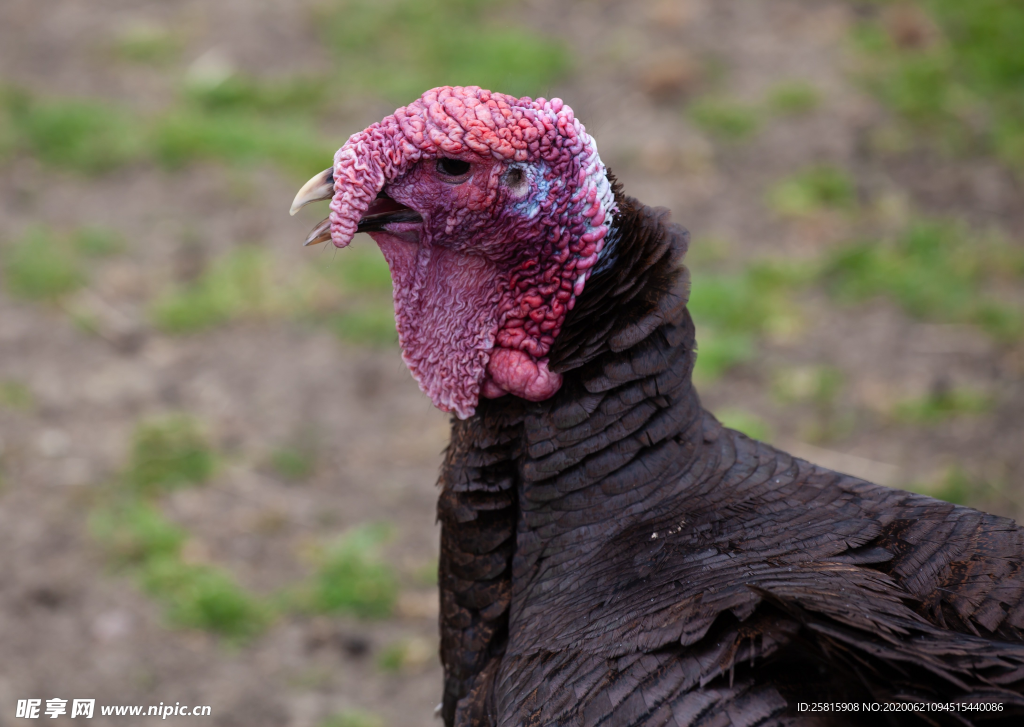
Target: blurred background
216	474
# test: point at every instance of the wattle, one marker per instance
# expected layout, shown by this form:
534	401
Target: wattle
510	371
446	314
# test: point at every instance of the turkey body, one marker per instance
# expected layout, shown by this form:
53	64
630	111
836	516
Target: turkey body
614	556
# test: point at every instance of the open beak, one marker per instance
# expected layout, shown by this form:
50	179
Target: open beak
382	211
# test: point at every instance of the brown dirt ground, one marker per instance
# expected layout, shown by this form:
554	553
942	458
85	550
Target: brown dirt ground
70	628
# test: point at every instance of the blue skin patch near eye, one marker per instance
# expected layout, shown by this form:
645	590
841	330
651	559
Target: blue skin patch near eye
539	189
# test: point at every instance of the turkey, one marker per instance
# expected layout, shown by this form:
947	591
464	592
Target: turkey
610	553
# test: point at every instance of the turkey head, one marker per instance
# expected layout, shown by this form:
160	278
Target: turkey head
491	212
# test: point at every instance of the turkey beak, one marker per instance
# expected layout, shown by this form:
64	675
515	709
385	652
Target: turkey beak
319	187
382	211
320	233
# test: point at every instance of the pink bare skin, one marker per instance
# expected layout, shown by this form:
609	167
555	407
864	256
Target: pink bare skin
513	372
491	211
432	270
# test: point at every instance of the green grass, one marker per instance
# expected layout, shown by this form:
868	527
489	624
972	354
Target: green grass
819	385
395	49
205	597
812	190
960	86
297	96
366	323
41	266
708	253
719	352
84	136
352	578
349	292
732	310
46	265
170	453
293	463
956	487
97	242
352	718
236	137
400	48
232	287
358	269
138	537
729	120
942	405
238	122
936	272
365	312
167	454
724	119
239	285
427	574
746	422
392	658
793	98
16	396
135	532
962	488
405	655
147	45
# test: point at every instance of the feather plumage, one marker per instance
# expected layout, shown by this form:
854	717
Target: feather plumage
614	556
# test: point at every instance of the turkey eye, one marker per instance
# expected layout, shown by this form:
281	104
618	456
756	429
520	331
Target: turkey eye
452	167
517	183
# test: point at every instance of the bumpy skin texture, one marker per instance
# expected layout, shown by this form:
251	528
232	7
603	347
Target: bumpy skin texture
614	556
483	284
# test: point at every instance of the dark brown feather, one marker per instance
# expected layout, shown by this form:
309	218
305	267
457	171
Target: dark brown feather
614	556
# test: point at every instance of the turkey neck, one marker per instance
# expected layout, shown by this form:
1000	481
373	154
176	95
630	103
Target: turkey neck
627	422
527	488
